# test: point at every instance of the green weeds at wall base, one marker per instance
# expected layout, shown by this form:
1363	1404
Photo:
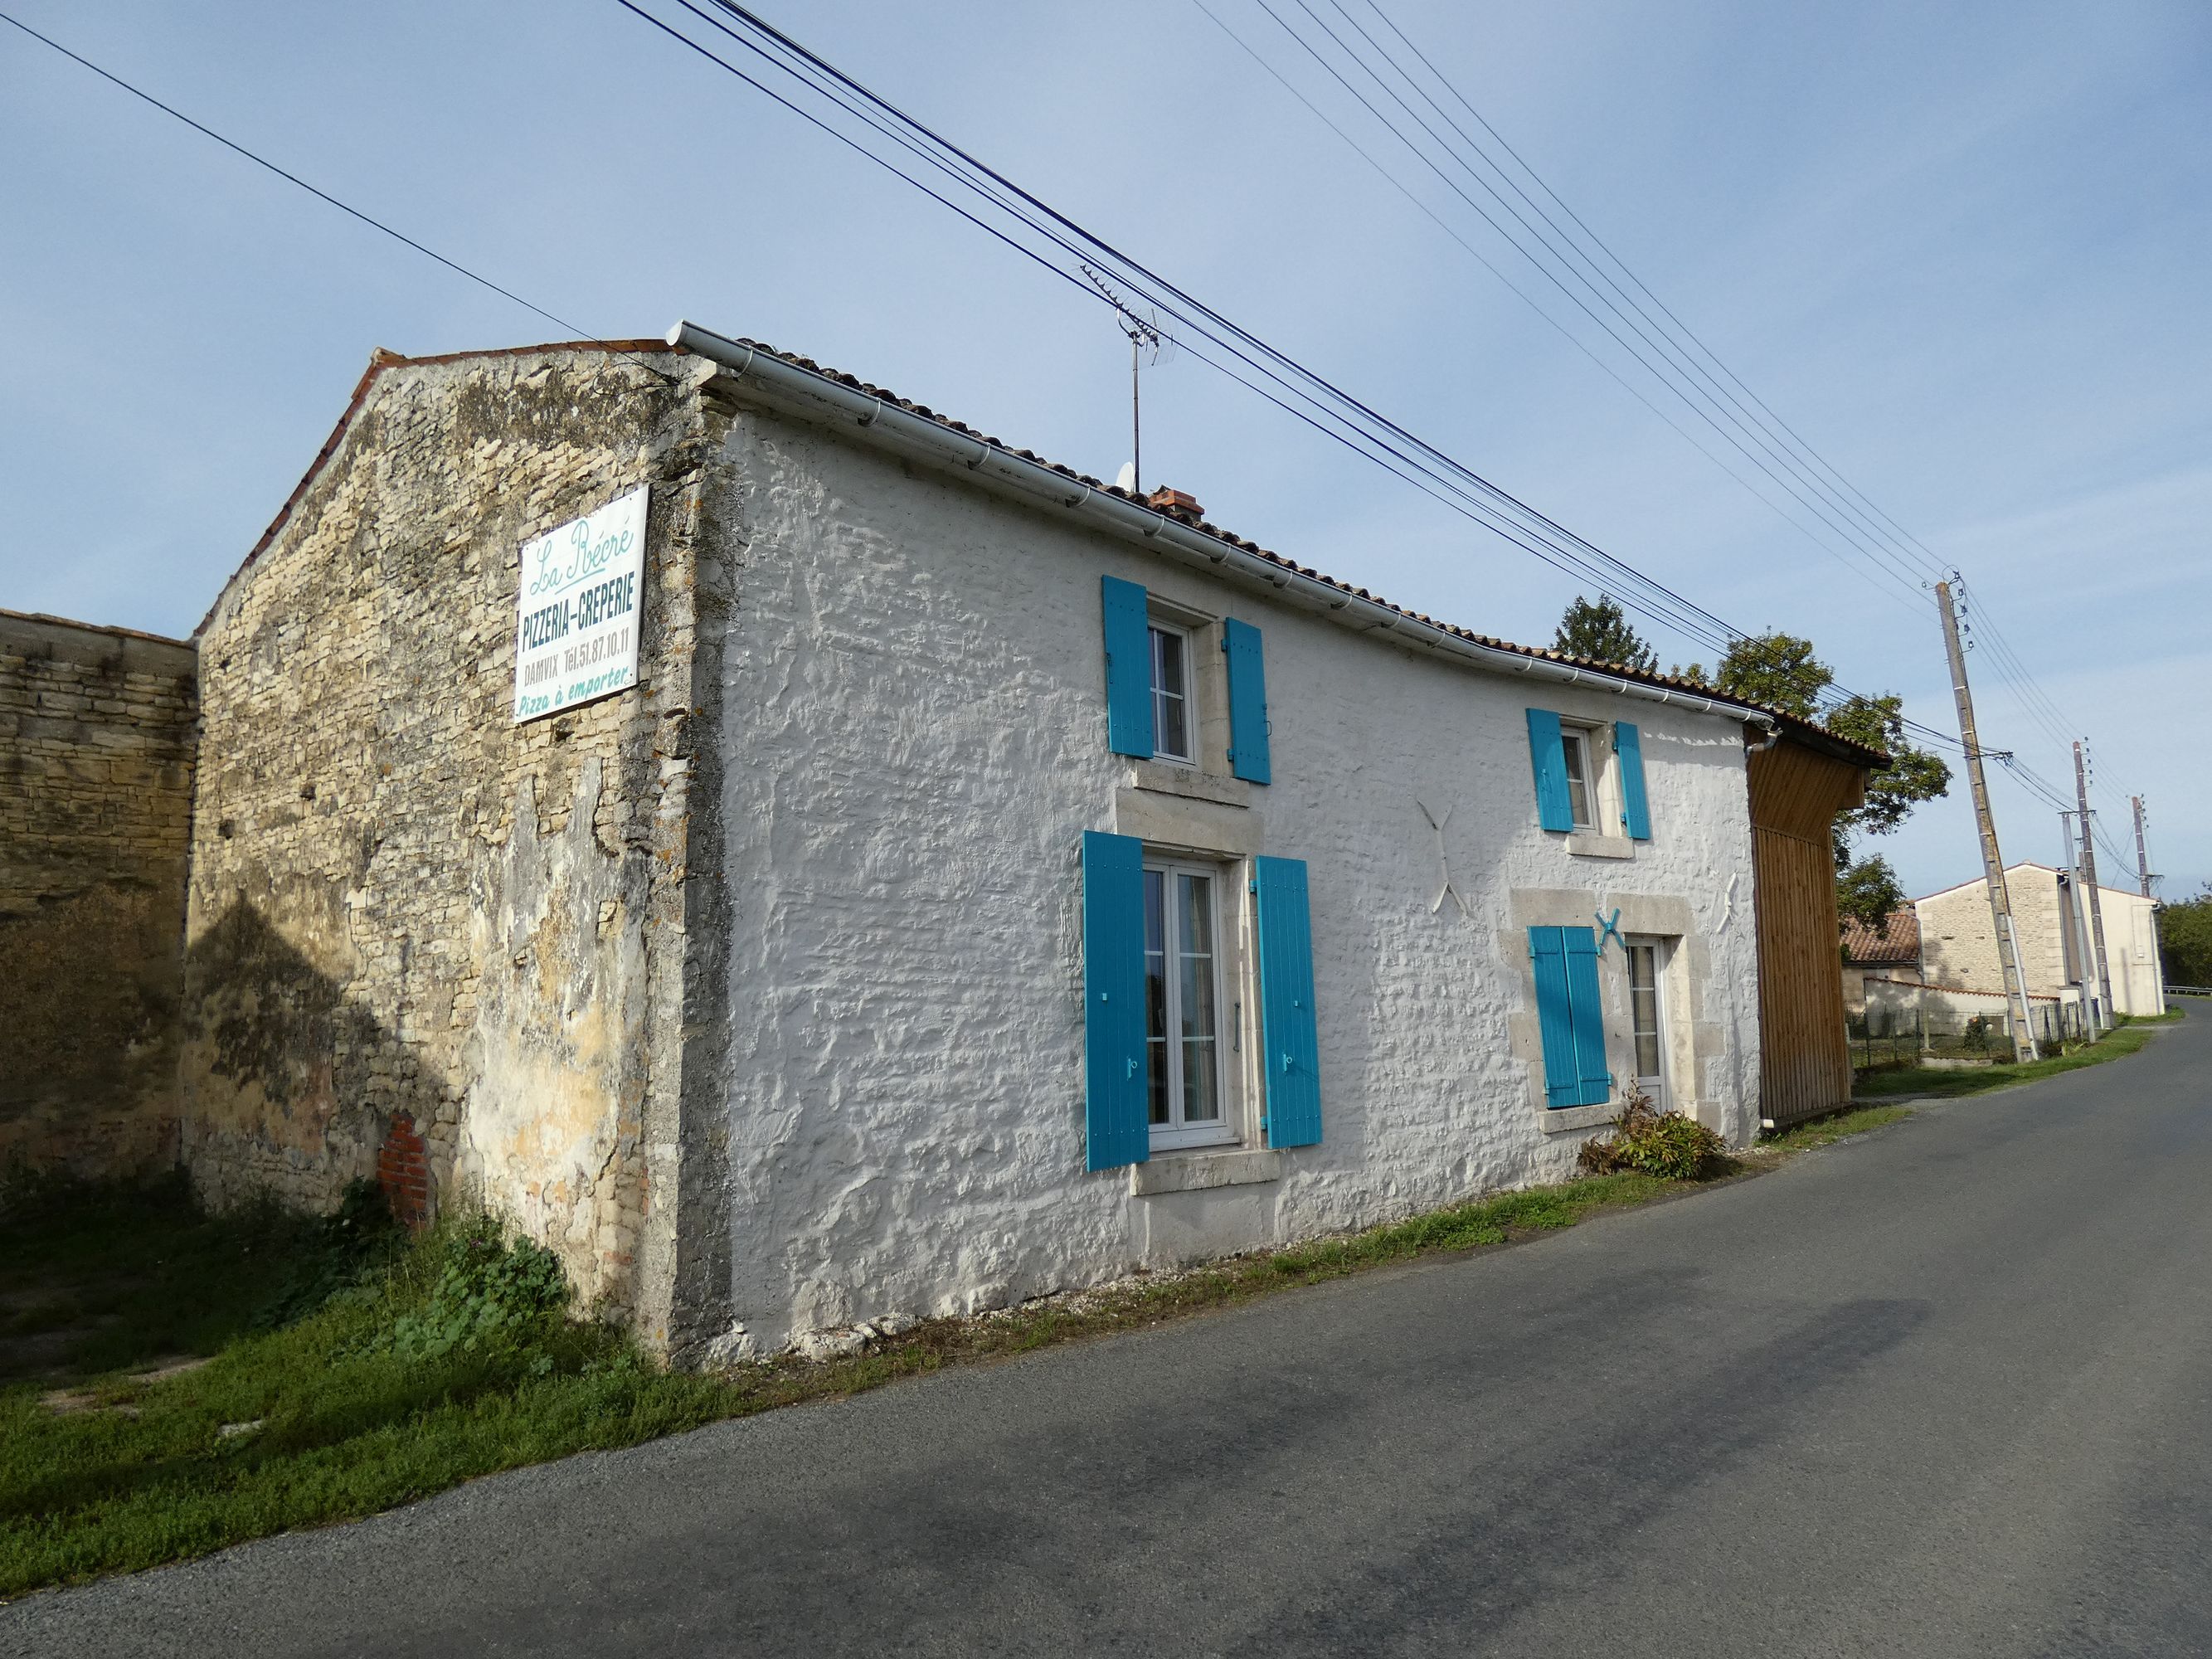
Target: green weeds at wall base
453	1361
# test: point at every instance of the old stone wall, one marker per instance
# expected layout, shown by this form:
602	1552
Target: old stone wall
1957	941
96	750
916	722
409	916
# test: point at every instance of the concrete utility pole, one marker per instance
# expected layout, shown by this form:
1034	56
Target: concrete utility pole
2015	982
2090	878
2142	858
2080	948
2078	953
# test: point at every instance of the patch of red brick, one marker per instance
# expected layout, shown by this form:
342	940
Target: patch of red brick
403	1170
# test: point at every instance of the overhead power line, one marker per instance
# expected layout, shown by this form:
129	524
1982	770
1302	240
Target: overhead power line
864	120
1612	259
1306	395
1240	355
1418	463
1582	267
1554	253
1521	293
320	194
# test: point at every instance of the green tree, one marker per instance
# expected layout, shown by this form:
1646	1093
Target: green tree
2184	940
1911	776
1780	671
1600	632
1867	890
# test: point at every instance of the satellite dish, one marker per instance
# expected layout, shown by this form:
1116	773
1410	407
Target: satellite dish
1127	477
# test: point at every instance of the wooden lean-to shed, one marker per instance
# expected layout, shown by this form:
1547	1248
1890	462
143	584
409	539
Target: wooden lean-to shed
1798	781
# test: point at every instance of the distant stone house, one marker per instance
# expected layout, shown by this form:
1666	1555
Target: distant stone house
2052	919
983	883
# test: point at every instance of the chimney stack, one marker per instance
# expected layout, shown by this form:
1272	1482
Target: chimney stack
1177	506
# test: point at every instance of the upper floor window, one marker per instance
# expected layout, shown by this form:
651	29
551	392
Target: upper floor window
1171	699
1585	782
1171	696
1582	780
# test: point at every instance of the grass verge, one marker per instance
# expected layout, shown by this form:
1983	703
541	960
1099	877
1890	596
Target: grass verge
97	1276
2126	1038
452	1358
1824	1131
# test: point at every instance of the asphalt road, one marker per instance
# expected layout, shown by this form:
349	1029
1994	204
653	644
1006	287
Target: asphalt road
1946	1389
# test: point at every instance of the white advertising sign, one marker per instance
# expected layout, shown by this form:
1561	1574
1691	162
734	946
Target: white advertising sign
576	632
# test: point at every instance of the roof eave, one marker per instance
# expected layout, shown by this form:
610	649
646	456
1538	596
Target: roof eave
793	386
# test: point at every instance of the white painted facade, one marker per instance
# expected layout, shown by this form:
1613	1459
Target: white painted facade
914	737
1957	941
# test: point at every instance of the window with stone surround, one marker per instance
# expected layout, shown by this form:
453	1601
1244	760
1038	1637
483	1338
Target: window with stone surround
1174	707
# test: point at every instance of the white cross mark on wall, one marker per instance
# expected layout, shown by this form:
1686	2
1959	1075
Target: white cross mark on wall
1443	863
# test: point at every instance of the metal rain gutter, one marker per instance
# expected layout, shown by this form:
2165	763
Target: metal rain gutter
808	393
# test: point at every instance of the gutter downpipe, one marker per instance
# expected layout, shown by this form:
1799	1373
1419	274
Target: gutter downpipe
807	392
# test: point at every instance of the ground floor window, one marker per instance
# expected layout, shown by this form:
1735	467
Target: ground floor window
1182	1002
1647	1012
1172	1059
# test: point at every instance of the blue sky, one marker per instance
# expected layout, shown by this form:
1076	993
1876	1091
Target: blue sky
1959	248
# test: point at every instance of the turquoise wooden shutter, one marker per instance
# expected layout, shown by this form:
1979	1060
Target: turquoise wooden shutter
1248	701
1547	753
1116	1129
1594	1084
1555	1017
1628	751
1289	1045
1128	668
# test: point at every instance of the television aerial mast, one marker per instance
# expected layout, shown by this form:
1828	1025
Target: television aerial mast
1145	341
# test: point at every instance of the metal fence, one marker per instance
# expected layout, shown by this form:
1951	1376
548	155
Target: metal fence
1903	1023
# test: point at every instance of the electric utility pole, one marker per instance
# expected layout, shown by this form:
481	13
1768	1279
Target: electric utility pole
2089	880
2081	951
2142	858
2015	983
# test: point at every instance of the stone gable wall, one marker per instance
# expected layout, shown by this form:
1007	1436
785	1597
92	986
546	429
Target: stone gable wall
409	916
1959	941
96	750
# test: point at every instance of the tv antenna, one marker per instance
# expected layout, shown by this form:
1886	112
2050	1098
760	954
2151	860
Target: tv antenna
1145	338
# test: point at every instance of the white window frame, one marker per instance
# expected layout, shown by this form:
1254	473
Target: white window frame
1184	693
1574	745
1176	1134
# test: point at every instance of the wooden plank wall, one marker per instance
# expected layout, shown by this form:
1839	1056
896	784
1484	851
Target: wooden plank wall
1805	1065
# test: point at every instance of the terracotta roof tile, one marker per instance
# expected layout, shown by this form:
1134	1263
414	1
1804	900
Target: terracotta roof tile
382	360
1871	758
1896	940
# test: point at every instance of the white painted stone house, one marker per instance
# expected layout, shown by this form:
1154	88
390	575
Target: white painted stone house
1106	893
991	883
